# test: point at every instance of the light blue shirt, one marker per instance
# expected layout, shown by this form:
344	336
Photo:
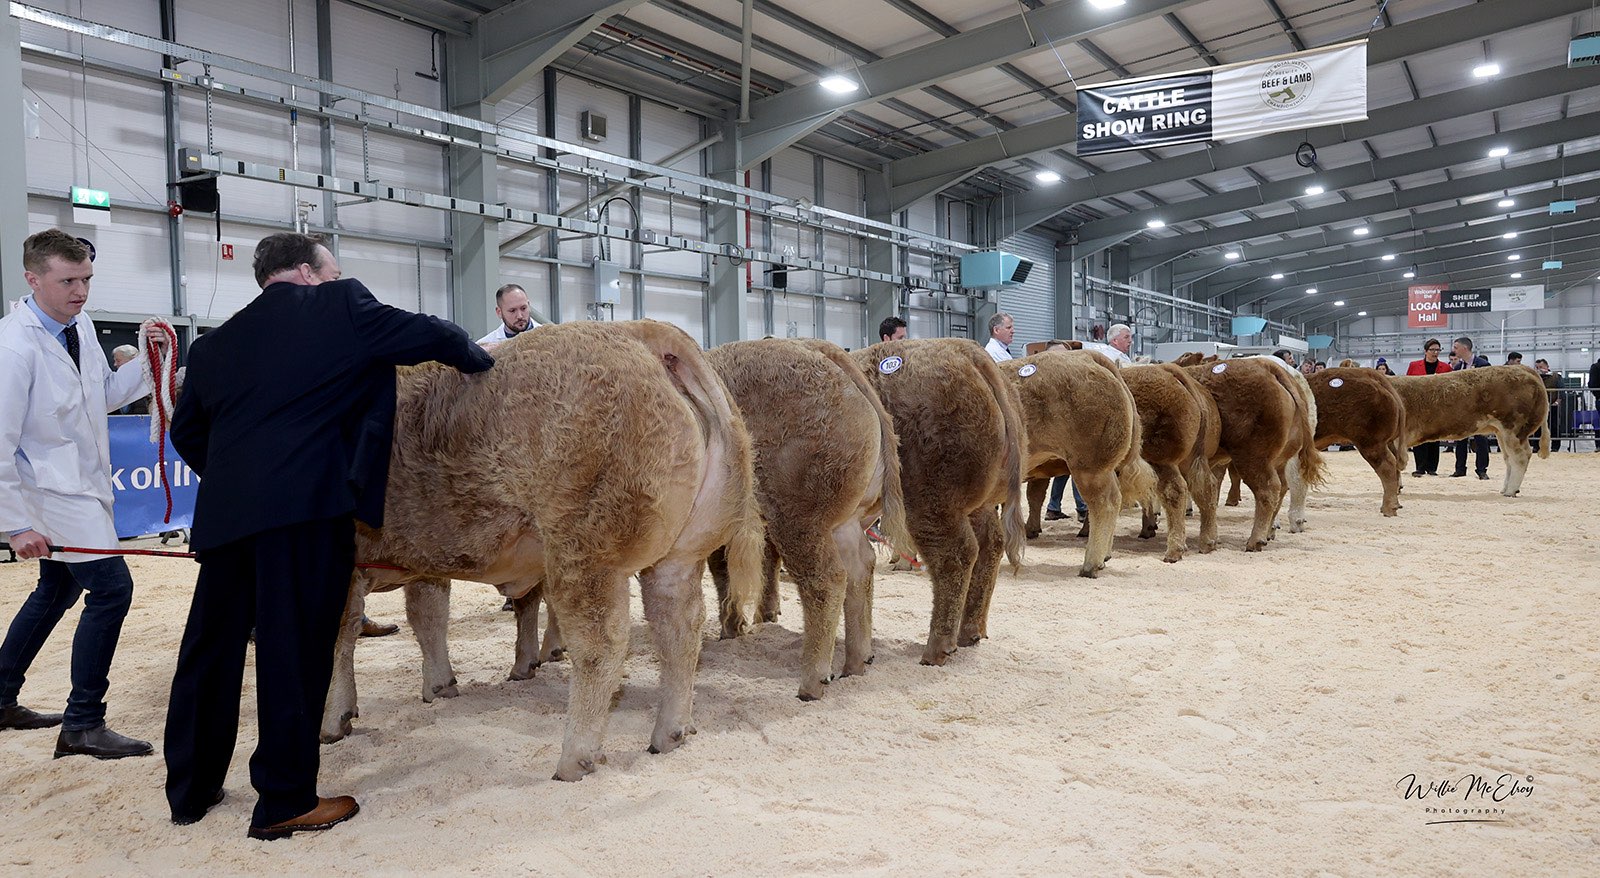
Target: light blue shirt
56	327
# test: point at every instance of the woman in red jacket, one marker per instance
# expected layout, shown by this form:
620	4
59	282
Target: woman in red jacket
1427	454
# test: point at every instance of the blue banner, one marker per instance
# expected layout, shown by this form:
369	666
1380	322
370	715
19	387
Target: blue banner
139	500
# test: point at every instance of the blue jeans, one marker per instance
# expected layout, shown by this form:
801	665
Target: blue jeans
1058	489
110	589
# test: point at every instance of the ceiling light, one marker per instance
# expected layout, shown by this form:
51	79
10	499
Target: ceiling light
1106	4
1232	254
1507	202
1361	230
1155	224
1361	313
1410	273
1339	303
1315	190
839	85
1514	257
1509	235
1278	276
1484	71
1516	275
1499	152
1047	177
1388	257
1311	291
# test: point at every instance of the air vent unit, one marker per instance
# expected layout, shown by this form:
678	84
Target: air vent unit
993	270
592	126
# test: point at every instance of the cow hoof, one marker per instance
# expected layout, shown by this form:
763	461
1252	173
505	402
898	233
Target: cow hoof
968	639
807	696
1088	571
522	674
1172	557
1297	526
578	770
1255	545
671	741
447	690
1033	533
344	730
1084	531
733	632
855	670
936	658
769	615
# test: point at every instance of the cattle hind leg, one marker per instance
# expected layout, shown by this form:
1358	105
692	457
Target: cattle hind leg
1384	463
1174	493
340	708
1037	489
428	612
985	575
949	551
1297	495
675	610
1104	499
819	578
595	607
527	653
859	559
1517	455
1267	486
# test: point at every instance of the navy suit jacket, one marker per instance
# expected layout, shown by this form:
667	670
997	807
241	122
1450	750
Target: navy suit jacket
287	410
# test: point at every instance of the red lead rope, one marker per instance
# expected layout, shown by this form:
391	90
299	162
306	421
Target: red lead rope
168	381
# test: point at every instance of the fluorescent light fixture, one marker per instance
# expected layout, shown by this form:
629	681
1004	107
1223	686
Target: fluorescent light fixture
1232	254
1506	202
1410	274
1311	291
1509	235
1514	257
1361	230
1516	275
1388	257
1047	177
1106	4
1339	303
1499	152
839	85
1484	71
1361	313
1155	224
1314	189
1278	276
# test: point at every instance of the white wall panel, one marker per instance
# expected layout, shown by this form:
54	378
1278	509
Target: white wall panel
390	272
662	132
105	133
216	287
130	267
842	324
681	303
1031	305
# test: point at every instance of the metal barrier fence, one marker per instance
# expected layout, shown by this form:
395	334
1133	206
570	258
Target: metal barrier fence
1574	417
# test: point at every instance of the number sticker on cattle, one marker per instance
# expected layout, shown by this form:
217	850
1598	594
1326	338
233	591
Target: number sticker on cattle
1337	382
1027	370
1219	368
890	365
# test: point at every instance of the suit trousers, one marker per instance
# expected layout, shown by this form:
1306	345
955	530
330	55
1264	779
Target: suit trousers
1427	455
289	583
1480	445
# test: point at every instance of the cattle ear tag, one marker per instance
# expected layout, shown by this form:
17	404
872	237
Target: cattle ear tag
1337	382
1027	370
890	365
1219	368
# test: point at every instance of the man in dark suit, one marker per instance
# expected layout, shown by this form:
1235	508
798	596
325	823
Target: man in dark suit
1461	349
287	415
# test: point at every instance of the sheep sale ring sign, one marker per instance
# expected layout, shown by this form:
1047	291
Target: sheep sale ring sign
1325	86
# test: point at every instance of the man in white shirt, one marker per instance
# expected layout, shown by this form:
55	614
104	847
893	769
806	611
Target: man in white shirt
1001	330
1119	340
511	306
55	489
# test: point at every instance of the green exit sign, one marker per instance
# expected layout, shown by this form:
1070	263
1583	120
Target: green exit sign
96	198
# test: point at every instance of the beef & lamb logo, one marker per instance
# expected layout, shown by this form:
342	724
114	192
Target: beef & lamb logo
1287	84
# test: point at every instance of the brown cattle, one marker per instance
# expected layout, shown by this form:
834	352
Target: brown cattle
961	447
1360	407
1265	425
1508	401
591	451
1080	419
826	465
1181	429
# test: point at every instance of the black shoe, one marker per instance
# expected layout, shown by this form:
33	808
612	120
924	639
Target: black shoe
370	628
101	743
1418	474
18	717
187	819
1483	477
1054	515
1460	475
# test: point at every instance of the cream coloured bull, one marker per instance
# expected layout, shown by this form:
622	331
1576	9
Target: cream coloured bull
1509	401
591	452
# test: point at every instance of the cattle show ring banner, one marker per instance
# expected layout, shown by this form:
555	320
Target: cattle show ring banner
1324	86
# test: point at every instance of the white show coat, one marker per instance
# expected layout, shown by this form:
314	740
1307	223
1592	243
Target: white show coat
996	350
55	454
498	334
1105	350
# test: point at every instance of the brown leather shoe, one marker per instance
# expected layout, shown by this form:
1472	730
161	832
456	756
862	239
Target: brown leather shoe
327	814
370	628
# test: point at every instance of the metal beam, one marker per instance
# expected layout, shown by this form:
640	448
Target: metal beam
415	15
1158	252
783	118
521	38
14	171
1387	45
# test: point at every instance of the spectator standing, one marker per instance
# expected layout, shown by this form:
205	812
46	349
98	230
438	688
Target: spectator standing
1426	455
1461	350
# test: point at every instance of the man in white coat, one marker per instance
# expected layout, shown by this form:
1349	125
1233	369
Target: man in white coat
516	315
55	489
1002	329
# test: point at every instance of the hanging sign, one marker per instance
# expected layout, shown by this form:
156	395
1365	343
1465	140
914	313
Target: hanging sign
1325	86
1528	298
1424	310
1464	301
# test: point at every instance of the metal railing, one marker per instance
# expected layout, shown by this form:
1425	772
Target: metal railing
1574	417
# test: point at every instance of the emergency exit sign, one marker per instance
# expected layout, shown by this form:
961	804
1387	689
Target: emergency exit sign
91	206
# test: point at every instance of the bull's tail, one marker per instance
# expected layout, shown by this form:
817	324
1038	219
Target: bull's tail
1015	442
894	527
1313	469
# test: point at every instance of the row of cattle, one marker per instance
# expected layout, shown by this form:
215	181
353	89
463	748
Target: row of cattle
594	452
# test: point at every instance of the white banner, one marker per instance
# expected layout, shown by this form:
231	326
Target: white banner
1530	298
1305	90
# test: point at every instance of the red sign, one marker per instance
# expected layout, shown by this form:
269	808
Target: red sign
1426	309
227	251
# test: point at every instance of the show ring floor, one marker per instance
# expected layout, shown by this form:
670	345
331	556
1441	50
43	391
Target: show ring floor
1236	714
